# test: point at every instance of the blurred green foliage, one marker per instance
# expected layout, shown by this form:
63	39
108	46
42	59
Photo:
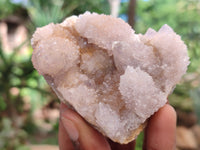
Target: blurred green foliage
139	141
11	138
7	8
44	12
195	94
17	72
18	81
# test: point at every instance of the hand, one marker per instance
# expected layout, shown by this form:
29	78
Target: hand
75	133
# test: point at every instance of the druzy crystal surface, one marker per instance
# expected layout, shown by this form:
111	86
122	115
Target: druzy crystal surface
114	78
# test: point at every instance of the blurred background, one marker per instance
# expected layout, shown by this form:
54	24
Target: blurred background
29	110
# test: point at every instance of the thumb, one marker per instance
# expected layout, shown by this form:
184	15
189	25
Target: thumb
78	129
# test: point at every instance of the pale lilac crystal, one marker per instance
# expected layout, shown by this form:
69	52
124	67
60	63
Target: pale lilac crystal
113	77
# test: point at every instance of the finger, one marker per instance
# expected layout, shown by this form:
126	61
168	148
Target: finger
88	137
63	139
161	130
117	146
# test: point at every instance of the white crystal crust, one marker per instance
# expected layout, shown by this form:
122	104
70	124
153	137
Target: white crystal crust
114	78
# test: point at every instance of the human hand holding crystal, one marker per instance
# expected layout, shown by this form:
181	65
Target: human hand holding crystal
76	133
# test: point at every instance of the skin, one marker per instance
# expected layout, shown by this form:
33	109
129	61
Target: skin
76	134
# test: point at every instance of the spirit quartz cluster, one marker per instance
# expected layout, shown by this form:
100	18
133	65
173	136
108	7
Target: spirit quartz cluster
114	78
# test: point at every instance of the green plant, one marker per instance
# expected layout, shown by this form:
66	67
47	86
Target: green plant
42	12
16	72
10	137
139	141
195	94
7	8
19	82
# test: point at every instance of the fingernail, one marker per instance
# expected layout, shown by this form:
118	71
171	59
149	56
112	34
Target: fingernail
70	128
